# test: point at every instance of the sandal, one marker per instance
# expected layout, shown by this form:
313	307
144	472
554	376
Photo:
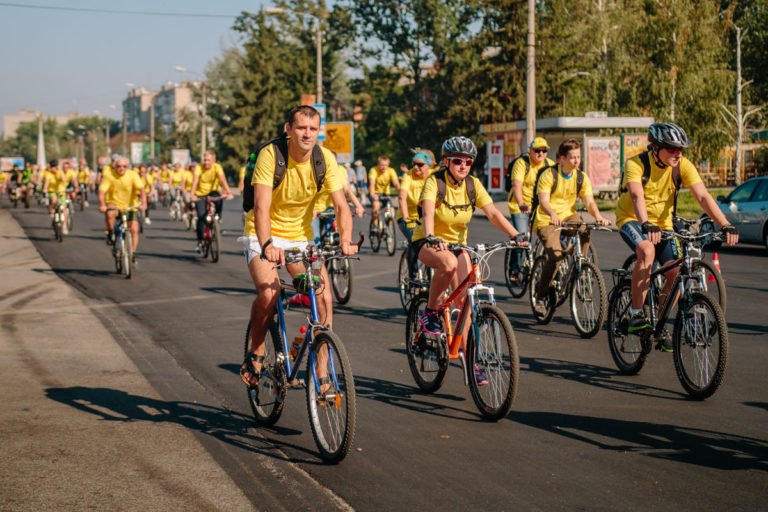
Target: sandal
247	371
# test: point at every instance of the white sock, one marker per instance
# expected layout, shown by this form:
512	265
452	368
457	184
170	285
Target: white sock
633	311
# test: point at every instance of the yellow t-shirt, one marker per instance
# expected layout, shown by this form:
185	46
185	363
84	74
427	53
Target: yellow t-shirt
563	199
241	173
291	211
413	186
323	200
384	180
529	181
187	181
83	176
209	179
5	176
149	181
122	191
165	176
451	225
659	191
58	180
177	176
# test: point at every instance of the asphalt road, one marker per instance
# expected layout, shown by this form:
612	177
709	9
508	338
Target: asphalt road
579	437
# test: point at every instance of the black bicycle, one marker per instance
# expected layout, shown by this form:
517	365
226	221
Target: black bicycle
384	227
700	335
340	270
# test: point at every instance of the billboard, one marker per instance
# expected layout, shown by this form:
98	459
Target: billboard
180	156
495	166
340	138
632	144
140	152
7	163
603	162
320	107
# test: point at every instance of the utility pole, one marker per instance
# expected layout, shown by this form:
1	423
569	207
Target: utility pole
152	130
739	117
202	123
125	131
319	60
530	89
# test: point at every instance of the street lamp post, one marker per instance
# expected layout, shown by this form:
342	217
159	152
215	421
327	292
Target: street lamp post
530	90
318	45
203	108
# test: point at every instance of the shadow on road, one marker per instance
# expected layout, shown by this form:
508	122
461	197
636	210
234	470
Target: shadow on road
369	313
707	448
747	329
234	292
177	257
225	425
79	271
407	397
759	405
599	376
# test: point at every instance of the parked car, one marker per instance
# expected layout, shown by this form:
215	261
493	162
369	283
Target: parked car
746	207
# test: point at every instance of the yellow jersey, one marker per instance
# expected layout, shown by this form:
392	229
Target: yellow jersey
451	224
177	176
659	191
562	200
165	176
384	179
58	180
209	179
413	187
84	176
149	181
187	180
292	209
528	179
122	191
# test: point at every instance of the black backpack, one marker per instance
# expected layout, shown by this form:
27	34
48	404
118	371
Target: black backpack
645	161
281	165
441	188
508	177
555	177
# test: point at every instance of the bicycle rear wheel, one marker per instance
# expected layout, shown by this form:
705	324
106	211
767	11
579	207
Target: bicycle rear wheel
494	354
374	238
427	355
331	397
57	233
390	233
402	280
588	300
549	299
340	273
700	341
268	398
628	351
70	217
215	241
517	281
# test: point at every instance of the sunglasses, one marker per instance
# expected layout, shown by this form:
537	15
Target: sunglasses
459	161
672	149
121	167
539	151
419	164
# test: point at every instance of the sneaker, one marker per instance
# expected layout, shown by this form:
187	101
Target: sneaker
430	322
664	343
147	221
480	377
638	323
199	248
540	308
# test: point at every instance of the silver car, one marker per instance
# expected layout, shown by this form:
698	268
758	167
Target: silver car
746	207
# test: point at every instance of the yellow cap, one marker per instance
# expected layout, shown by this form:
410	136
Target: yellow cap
538	143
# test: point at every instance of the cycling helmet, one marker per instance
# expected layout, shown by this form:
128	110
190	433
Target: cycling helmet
459	146
668	134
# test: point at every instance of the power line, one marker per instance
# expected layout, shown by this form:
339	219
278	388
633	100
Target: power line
109	11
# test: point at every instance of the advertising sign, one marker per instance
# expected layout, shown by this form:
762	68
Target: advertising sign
7	163
180	156
495	166
603	162
340	138
632	144
320	107
136	152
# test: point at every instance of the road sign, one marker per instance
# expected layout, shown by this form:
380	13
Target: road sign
495	165
320	107
340	138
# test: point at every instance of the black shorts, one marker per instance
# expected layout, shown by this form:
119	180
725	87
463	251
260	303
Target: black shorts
666	250
418	244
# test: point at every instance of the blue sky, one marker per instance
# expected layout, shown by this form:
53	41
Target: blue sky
60	61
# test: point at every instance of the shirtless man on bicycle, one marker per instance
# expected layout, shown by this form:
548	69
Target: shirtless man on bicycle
282	219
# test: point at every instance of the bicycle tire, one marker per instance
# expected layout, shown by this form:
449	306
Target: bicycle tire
518	287
591	256
374	237
57	235
128	255
391	235
81	202
587	287
117	254
338	410
215	243
70	218
272	379
429	363
703	353
402	281
717	290
496	355
628	351
564	267
340	273
549	300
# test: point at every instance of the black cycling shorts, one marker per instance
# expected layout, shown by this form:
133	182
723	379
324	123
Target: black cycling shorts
666	250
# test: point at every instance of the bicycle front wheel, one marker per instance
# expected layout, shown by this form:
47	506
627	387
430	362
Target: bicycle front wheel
495	367
268	397
427	355
627	350
402	280
374	236
710	281
588	301
128	255
215	241
330	397
517	280
549	298
340	273
700	341
391	235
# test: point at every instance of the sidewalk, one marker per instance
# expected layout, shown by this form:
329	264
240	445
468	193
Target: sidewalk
56	453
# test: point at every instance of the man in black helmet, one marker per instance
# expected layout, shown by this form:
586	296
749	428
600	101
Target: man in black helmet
646	209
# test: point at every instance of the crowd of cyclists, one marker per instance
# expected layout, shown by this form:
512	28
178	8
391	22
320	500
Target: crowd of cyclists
289	181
